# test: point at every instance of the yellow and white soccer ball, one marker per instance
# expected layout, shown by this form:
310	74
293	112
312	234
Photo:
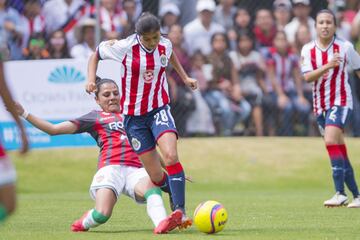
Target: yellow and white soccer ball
210	217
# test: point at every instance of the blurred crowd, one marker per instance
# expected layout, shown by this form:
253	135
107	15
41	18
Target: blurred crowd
246	60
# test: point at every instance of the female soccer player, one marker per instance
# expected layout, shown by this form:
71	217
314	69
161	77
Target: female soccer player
324	62
119	168
144	102
7	170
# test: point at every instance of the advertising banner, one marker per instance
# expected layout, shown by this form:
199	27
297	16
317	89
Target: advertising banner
55	91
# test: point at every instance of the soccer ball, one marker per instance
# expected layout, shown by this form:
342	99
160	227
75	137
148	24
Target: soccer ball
210	217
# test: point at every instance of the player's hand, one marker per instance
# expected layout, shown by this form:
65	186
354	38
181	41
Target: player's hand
24	143
19	108
90	87
191	83
335	61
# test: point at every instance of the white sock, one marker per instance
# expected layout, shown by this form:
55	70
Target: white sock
155	208
89	221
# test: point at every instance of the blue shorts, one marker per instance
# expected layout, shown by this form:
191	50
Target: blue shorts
336	116
143	131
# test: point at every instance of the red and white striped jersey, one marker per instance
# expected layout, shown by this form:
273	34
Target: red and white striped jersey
36	25
143	85
333	87
284	66
108	131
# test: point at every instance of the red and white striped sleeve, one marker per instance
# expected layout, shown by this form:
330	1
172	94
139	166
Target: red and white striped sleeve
113	49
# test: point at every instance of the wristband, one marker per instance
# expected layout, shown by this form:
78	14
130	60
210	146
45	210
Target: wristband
25	114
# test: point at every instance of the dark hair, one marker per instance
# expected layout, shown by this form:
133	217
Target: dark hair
328	11
64	51
147	23
101	81
225	37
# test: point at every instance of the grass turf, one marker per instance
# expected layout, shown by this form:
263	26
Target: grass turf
273	188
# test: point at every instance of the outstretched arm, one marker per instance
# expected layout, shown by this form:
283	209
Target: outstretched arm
92	67
66	127
9	103
190	82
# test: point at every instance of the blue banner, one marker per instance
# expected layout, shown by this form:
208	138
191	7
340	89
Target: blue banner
10	137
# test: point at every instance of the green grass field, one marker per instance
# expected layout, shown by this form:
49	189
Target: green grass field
273	188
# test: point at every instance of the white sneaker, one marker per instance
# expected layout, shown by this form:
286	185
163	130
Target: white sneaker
355	203
336	201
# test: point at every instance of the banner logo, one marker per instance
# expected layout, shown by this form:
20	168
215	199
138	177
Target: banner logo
66	74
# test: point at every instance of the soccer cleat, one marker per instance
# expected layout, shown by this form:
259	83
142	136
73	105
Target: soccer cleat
170	223
77	226
355	203
337	200
185	222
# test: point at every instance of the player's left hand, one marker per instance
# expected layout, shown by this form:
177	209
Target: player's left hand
191	83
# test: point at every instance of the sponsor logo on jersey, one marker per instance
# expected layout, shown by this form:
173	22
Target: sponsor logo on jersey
66	74
163	60
136	144
118	126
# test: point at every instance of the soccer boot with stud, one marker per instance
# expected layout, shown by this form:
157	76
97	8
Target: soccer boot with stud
337	200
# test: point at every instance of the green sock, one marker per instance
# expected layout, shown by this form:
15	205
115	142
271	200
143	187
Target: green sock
98	217
152	191
3	213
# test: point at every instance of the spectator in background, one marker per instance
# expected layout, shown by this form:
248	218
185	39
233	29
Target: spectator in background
10	21
264	29
282	13
182	100
251	69
130	7
31	20
36	48
64	15
285	77
343	29
301	11
112	19
224	95
85	33
187	9
224	14
198	33
57	45
242	23
302	37
169	15
200	121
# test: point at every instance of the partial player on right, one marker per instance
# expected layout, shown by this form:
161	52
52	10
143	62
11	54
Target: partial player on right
324	62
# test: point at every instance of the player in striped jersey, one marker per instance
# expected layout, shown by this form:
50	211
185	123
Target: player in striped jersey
324	62
119	168
7	170
143	57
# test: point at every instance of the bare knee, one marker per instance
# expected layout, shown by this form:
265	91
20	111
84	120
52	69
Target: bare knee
170	157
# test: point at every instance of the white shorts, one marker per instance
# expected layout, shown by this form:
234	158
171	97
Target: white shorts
7	171
119	178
